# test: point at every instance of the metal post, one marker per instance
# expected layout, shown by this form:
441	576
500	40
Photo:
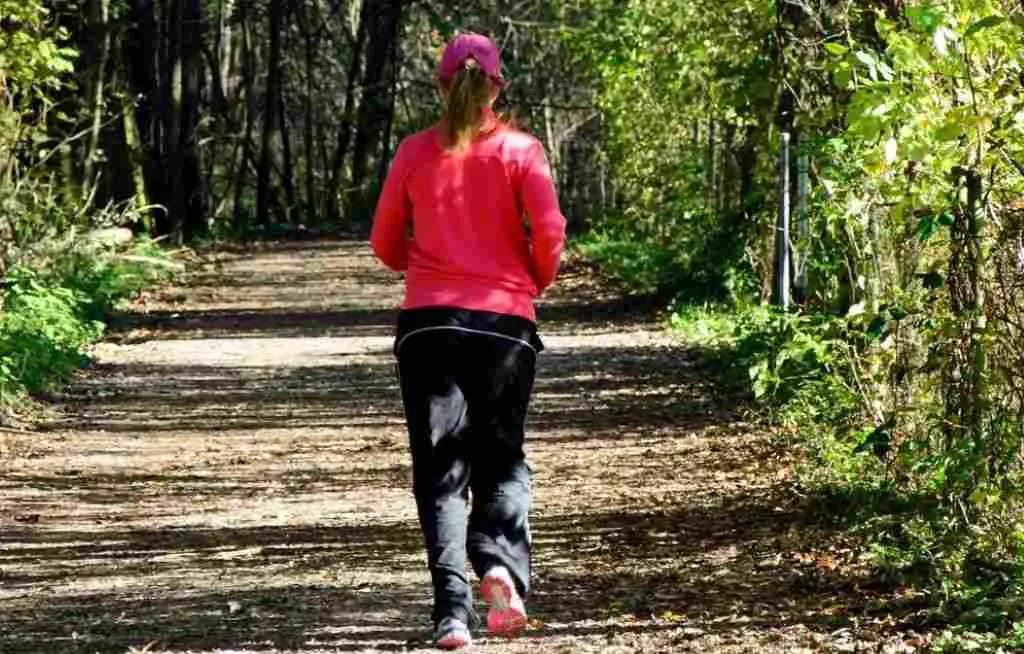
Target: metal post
782	286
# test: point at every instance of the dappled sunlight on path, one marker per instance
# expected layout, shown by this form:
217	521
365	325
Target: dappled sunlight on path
232	475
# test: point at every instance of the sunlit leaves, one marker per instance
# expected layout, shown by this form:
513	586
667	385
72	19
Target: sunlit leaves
930	224
836	49
891	150
984	23
942	39
31	57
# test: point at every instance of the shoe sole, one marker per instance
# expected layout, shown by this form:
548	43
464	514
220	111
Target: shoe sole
453	641
502	618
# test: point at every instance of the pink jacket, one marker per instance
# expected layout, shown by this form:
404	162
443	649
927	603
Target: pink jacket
455	222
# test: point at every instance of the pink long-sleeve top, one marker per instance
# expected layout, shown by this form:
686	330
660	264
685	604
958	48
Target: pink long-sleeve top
456	222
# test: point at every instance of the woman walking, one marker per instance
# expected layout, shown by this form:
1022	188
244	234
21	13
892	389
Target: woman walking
451	216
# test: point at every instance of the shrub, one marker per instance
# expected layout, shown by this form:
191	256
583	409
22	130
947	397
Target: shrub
53	303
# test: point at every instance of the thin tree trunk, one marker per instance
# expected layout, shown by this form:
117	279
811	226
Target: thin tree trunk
965	373
241	218
170	118
193	219
382	30
270	106
142	56
308	125
287	161
123	179
554	148
711	176
345	130
136	158
385	141
224	43
99	31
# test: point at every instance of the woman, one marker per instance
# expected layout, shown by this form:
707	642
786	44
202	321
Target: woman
451	216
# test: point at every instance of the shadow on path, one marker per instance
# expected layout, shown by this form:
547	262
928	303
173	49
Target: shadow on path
199	504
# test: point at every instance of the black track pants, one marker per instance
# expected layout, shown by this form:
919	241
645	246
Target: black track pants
466	380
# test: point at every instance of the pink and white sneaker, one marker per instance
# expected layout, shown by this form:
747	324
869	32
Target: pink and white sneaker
506	614
452	633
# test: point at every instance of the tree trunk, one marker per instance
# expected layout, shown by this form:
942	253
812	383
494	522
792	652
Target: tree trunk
385	140
345	130
193	218
123	179
98	28
136	158
967	362
241	217
224	43
141	55
307	123
288	172
710	173
270	107
173	162
382	31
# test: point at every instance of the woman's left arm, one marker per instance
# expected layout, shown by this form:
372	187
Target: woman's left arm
389	238
547	224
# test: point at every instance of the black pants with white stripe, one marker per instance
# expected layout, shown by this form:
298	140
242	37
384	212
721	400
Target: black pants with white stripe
466	380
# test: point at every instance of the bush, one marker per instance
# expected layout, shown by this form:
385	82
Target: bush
689	262
103	269
42	333
883	476
53	303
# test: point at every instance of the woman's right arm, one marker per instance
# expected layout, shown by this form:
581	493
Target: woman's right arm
389	238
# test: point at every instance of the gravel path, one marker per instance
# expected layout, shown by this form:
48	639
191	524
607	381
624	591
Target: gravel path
232	476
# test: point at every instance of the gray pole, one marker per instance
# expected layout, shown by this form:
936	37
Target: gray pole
782	234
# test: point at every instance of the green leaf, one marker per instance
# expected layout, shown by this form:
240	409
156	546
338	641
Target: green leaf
925	17
950	129
878	442
984	23
843	75
926	227
868	60
865	58
836	49
886	71
876	327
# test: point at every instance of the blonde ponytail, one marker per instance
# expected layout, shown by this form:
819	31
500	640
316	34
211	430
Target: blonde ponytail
468	96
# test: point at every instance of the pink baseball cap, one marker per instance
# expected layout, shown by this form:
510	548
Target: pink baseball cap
466	46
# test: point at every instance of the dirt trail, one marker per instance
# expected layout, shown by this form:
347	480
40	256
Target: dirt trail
232	476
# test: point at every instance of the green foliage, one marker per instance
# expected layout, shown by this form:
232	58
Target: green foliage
32	59
102	272
669	74
681	263
51	307
900	377
41	334
34	69
962	640
875	470
64	263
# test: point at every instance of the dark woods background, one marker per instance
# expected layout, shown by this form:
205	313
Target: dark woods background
270	115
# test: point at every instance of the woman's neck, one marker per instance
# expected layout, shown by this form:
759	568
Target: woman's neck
489	123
